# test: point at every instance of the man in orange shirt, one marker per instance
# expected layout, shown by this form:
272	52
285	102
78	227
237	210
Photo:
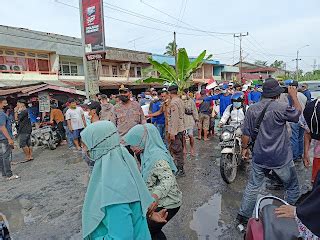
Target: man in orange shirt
56	117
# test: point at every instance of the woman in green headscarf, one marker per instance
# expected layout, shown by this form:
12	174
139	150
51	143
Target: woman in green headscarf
157	168
117	200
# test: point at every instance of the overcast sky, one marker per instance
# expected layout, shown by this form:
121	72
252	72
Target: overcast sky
277	28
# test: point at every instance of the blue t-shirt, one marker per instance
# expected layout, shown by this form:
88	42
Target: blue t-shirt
155	107
5	121
225	101
33	114
254	96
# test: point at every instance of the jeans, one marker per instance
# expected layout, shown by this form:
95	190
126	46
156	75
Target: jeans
69	137
5	158
161	128
288	176
297	140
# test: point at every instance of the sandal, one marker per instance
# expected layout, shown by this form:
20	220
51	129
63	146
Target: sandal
13	177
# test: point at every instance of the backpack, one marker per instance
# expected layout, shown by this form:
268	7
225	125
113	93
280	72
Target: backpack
311	114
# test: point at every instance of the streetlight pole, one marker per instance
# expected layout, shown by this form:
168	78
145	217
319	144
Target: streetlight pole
297	61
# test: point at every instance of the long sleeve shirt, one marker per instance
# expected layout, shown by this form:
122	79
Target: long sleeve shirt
236	115
225	101
163	183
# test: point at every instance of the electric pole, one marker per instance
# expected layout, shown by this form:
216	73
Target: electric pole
297	65
314	64
175	51
240	35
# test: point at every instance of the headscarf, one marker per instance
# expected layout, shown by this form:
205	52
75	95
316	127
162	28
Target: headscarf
309	210
147	137
115	178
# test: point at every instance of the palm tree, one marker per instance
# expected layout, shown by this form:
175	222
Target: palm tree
171	49
179	76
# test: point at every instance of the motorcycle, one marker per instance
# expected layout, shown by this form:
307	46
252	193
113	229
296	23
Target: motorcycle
266	225
46	135
230	143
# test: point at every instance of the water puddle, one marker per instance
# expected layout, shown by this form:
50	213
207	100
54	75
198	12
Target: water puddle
206	219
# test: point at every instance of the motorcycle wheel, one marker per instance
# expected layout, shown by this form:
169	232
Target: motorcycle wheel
228	167
52	145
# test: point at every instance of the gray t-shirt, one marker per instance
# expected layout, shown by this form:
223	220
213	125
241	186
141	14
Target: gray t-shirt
272	148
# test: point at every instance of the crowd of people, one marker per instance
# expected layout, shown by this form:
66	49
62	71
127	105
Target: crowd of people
144	140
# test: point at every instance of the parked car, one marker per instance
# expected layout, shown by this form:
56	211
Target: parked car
314	87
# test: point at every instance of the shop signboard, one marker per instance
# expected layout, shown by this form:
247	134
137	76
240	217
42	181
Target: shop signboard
44	102
93	25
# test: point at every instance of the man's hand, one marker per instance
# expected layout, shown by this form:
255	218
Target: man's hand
159	217
306	160
292	92
11	142
245	153
285	211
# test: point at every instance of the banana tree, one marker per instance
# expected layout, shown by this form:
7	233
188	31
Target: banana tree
179	76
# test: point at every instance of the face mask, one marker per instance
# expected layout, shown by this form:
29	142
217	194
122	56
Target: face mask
30	105
224	91
156	98
183	97
73	107
124	98
237	104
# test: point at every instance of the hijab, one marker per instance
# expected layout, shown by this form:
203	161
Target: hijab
115	178
147	137
309	210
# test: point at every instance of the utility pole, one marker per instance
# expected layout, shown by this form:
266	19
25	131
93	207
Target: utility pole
297	65
240	35
314	64
175	51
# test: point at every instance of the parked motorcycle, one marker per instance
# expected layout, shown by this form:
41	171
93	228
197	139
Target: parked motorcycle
266	225
46	135
230	143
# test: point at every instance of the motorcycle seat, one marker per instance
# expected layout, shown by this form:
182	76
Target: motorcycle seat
277	228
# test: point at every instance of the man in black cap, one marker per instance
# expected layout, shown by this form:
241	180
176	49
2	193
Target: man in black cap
272	150
24	129
176	128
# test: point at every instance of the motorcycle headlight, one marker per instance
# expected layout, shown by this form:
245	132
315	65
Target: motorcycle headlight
226	136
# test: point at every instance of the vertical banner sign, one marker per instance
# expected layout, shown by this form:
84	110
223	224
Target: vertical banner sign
44	102
93	25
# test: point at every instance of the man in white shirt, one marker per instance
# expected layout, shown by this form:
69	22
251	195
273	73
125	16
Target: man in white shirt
235	112
76	121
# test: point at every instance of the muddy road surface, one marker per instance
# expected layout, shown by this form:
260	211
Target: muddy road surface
46	202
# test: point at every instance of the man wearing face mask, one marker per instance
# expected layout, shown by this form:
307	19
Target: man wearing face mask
234	113
127	113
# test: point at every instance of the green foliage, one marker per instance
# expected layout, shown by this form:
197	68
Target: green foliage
181	76
171	49
277	64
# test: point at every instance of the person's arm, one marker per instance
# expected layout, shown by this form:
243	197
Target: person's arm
225	116
245	146
210	98
293	93
164	175
5	132
155	114
51	116
306	156
195	111
69	125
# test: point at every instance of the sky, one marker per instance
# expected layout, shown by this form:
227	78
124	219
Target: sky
277	28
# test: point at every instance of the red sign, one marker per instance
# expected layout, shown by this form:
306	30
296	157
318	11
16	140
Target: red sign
95	56
93	24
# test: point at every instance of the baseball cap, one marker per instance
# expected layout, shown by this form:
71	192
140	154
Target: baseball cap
123	89
94	105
